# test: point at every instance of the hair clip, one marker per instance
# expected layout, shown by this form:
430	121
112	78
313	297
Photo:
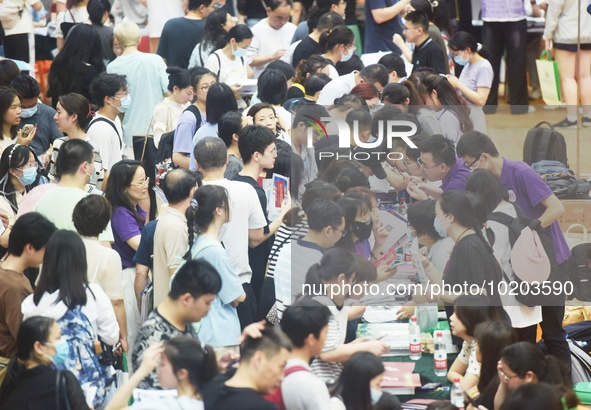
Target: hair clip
478	46
301	213
90	112
194	204
10	155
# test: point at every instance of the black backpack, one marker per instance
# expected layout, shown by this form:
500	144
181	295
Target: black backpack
516	225
166	144
544	143
561	180
579	272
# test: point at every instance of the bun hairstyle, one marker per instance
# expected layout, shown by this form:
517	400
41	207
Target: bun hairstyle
179	77
338	35
466	41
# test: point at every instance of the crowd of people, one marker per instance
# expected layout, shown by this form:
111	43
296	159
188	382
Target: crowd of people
141	214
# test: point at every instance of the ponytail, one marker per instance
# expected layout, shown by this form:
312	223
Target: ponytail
333	263
338	35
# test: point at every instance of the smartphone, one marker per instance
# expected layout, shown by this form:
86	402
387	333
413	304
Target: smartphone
470	400
430	386
27	128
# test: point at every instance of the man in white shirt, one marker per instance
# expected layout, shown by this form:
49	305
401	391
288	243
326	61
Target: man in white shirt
306	325
109	92
375	74
247	219
272	36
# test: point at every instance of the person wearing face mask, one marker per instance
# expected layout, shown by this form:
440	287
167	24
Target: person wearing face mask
34	112
339	45
358	387
31	381
229	60
207	218
110	93
476	77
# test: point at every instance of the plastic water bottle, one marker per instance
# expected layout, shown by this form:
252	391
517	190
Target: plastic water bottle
414	334
402	206
440	356
457	395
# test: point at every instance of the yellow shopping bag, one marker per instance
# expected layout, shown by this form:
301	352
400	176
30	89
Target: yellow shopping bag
549	78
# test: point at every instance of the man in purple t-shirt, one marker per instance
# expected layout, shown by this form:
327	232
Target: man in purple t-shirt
439	162
528	190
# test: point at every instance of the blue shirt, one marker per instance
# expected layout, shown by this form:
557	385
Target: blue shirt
378	37
145	250
221	326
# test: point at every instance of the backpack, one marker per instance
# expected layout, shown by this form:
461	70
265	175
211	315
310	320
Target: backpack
515	226
561	180
275	396
544	143
82	359
10	14
579	272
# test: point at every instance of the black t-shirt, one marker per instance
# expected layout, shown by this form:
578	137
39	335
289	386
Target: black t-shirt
305	49
36	389
218	396
179	38
428	54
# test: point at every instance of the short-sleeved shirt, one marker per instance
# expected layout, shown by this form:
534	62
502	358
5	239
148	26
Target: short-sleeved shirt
170	245
74	15
316	394
141	69
527	189
450	125
25	24
104	268
235	165
468	357
221	326
154	330
428	55
267	41
145	250
188	31
47	130
378	37
106	137
218	62
305	49
456	178
185	131
247	214
475	76
14	288
337	88
218	396
126	226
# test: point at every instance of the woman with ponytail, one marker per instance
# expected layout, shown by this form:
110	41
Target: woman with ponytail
30	382
207	217
476	78
336	270
339	44
229	60
472	262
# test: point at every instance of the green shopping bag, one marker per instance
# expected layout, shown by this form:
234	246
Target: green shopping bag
549	79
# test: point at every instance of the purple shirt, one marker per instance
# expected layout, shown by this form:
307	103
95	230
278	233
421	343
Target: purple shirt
125	226
527	189
475	76
456	178
502	10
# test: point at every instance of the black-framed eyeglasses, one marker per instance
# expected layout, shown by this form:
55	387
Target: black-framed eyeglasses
342	231
505	377
424	166
472	163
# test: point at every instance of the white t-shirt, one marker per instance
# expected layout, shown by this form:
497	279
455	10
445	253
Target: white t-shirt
302	389
74	15
246	214
521	315
25	23
230	69
440	252
106	140
336	89
159	12
267	41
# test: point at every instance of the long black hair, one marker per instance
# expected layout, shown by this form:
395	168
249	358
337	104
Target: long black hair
487	187
64	269
200	213
449	99
32	330
16	156
120	177
239	32
213	31
334	262
82	48
220	100
184	352
7	96
353	385
492	337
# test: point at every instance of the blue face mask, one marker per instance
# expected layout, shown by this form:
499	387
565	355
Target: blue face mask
460	61
239	52
29	112
442	231
346	57
29	176
62	351
125	103
376	395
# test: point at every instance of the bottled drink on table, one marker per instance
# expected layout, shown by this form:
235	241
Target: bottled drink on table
414	334
402	206
457	395
440	356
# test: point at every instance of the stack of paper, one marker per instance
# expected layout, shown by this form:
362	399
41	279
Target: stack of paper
399	378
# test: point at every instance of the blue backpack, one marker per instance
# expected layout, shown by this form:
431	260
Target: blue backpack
82	357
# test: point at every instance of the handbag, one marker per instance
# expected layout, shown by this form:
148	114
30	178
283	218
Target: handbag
549	79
